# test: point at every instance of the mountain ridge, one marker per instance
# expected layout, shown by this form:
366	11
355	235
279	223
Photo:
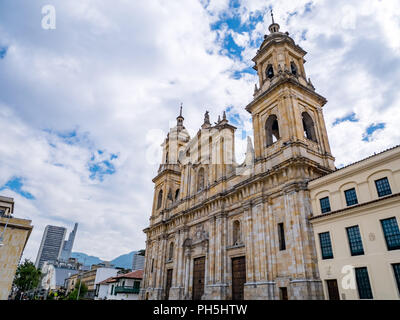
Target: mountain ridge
122	261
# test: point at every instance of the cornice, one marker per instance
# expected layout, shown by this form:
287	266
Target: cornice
354	209
353	168
277	39
282	81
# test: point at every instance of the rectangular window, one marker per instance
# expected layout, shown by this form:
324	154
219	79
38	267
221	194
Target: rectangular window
325	205
391	232
396	270
281	234
383	187
355	242
351	197
326	245
363	284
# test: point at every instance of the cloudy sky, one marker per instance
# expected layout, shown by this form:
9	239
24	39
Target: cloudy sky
85	106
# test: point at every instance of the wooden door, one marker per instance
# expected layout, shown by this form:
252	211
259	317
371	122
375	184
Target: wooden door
238	277
198	277
333	290
283	293
169	283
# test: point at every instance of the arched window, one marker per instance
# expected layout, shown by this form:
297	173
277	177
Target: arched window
169	197
166	157
269	71
171	251
236	234
200	179
159	200
293	68
176	194
308	126
272	129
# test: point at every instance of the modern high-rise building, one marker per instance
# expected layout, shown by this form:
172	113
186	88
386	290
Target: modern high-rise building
68	244
138	262
51	245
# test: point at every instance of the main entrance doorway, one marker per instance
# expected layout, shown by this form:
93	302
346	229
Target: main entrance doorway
198	277
238	277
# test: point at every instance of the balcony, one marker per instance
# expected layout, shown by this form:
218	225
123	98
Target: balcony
125	289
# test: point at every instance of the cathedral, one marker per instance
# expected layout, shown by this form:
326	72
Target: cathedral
222	230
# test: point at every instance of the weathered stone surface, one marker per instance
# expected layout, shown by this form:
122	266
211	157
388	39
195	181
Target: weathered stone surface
226	210
14	240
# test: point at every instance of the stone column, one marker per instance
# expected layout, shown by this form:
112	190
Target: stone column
249	286
177	285
161	269
261	222
177	244
258	136
210	261
157	269
212	246
305	286
187	272
271	249
216	286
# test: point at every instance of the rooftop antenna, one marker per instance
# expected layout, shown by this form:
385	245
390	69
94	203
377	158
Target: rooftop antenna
272	15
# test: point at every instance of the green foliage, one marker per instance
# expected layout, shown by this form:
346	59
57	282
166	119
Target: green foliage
74	293
27	276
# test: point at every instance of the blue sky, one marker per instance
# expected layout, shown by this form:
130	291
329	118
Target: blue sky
86	106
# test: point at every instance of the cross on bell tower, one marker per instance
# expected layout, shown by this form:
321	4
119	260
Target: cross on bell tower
273	27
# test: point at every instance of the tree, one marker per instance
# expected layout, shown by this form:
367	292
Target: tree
82	291
141	252
27	277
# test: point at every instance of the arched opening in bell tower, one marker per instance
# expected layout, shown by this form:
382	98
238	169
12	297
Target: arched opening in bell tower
269	72
308	126
272	130
293	68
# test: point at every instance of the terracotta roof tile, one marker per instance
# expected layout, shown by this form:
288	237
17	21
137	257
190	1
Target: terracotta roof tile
138	274
108	280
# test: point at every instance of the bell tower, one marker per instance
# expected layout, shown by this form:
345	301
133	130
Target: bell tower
167	182
286	111
291	147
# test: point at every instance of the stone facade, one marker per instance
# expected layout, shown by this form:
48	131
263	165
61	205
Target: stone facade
15	234
207	205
